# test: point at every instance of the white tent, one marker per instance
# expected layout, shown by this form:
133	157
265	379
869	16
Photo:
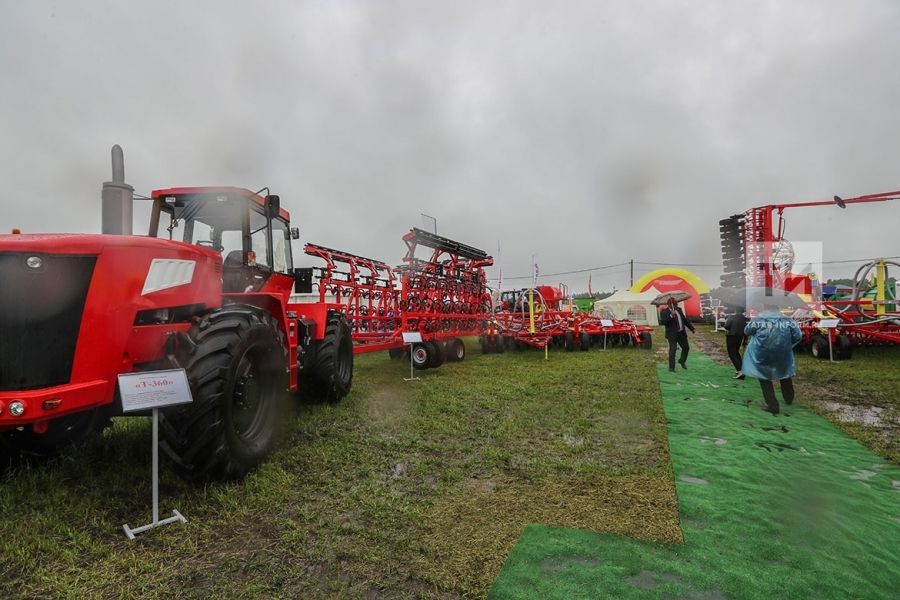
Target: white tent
629	305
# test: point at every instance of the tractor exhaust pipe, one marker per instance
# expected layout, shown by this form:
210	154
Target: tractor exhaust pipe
118	199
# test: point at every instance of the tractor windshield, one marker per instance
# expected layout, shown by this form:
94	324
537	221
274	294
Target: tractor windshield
228	225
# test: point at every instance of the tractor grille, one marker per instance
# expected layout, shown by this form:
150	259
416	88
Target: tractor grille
40	313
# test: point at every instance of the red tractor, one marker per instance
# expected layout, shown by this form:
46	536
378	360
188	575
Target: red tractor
206	291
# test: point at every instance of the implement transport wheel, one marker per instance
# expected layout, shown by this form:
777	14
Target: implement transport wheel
819	346
396	353
436	355
570	341
235	365
585	341
455	350
61	432
646	340
843	350
421	355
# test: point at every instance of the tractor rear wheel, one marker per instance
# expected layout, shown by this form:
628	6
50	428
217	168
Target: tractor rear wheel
456	350
61	432
333	366
235	365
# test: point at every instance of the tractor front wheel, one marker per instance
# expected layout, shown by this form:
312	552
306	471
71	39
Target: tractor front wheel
235	364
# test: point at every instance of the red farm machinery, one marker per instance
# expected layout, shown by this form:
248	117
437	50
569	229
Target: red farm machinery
442	295
209	290
755	253
541	316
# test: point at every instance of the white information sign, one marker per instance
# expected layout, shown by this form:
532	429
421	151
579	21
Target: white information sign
606	322
829	323
154	389
412	337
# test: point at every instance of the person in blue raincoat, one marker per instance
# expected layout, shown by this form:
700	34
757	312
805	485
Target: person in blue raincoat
770	355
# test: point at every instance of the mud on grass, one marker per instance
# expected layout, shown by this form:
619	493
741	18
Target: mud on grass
858	395
404	490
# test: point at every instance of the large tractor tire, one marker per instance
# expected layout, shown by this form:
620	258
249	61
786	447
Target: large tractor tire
455	350
235	364
330	371
646	340
61	432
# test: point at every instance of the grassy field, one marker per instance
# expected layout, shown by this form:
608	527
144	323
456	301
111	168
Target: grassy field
861	395
403	490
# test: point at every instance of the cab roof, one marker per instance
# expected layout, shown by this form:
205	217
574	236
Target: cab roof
217	191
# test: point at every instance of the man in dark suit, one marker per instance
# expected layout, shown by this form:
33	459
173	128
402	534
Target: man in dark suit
676	332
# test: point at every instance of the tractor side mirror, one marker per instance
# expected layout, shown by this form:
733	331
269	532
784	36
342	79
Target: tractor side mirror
303	280
273	205
295	233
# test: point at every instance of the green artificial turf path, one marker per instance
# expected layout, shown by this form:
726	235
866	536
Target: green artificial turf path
780	506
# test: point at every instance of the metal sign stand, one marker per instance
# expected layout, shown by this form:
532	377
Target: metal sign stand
154	389
605	323
177	516
829	324
411	338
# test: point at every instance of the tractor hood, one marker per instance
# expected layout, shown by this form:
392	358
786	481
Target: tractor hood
88	243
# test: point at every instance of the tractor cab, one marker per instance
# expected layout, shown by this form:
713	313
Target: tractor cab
251	232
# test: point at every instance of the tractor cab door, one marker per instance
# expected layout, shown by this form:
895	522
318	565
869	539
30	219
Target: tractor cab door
254	241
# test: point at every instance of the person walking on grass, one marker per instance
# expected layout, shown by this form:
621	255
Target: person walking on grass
770	355
735	338
676	332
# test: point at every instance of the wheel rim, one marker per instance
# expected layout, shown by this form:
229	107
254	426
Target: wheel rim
247	400
420	355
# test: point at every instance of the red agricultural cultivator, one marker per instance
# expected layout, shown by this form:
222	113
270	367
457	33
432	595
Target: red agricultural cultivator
443	296
755	253
539	317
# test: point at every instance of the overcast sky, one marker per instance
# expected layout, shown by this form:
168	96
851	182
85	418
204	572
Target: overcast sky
587	133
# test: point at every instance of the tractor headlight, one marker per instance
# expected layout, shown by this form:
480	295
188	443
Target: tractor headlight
16	408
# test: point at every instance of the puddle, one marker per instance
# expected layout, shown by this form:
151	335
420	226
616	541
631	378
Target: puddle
852	413
558	564
863	474
690	479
